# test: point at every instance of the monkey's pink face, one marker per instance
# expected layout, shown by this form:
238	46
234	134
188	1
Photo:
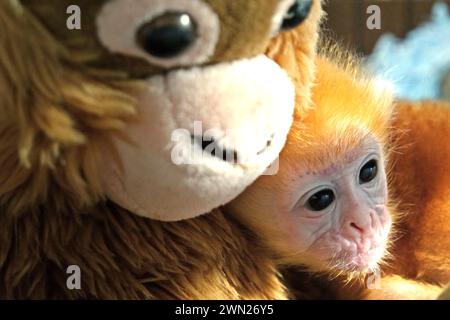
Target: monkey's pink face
337	216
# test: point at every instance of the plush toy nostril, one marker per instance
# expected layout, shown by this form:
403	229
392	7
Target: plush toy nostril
211	147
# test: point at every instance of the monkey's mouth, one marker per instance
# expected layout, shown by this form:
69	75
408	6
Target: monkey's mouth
359	260
354	258
366	260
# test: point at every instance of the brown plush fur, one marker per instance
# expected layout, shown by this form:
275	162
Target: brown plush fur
55	116
86	49
123	256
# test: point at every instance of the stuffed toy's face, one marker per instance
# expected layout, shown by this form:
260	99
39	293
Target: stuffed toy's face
211	111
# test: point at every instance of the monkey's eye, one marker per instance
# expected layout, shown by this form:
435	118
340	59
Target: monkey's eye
297	13
368	172
168	35
321	200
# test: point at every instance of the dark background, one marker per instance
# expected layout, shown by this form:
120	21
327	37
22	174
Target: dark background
347	19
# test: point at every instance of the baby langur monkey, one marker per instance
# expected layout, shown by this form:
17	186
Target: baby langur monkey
327	208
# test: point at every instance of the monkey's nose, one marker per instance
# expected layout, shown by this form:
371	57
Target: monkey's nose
360	226
355	226
358	220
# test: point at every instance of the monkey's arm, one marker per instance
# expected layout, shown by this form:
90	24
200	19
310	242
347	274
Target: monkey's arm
398	288
421	184
306	286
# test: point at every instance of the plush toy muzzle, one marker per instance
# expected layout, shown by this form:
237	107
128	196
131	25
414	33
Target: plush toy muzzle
212	112
208	134
204	132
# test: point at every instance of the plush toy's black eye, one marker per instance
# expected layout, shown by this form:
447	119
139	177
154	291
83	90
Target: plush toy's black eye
368	172
321	200
168	35
297	13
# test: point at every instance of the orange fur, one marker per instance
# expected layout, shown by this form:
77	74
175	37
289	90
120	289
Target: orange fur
347	106
421	182
415	136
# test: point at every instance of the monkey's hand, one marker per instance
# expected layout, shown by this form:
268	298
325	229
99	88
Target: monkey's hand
398	288
446	294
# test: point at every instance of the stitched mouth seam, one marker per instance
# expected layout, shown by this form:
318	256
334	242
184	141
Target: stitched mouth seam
217	151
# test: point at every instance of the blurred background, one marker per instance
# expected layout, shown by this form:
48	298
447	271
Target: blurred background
411	49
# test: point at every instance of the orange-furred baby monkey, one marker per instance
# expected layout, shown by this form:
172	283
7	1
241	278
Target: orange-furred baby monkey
328	209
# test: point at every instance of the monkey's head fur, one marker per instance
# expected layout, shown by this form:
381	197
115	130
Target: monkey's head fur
327	208
146	102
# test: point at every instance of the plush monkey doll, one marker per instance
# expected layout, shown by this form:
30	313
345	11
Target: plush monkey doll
101	151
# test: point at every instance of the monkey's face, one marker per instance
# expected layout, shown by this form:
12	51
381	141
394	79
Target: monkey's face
334	217
213	112
340	214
